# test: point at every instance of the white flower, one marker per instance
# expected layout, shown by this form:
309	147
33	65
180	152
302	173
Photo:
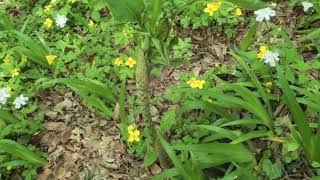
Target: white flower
271	58
61	21
4	94
265	13
20	101
306	5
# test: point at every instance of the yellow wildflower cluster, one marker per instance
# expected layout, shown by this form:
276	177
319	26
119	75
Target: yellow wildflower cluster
238	12
91	24
24	58
263	50
194	83
48	23
14	72
47	9
130	62
50	58
212	7
133	134
6	61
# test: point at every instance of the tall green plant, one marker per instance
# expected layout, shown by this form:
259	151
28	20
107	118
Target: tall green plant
15	154
309	141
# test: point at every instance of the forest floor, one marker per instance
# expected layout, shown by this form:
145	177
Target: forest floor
82	145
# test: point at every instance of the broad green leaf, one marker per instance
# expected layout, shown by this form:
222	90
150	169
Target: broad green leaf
167	121
220	151
7	116
250	4
93	92
210	107
166	174
273	171
244	121
90	86
256	81
153	10
20	151
250	37
175	160
126	11
249	136
298	115
150	157
221	131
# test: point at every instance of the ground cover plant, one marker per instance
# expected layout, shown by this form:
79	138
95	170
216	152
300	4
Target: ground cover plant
159	89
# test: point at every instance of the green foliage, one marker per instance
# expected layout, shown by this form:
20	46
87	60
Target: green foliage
125	11
250	4
20	151
91	91
248	120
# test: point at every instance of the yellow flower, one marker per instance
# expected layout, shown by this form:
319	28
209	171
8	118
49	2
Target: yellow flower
134	136
268	84
72	1
14	72
47	8
6	61
263	50
48	23
24	58
50	58
130	129
192	80
194	83
212	7
9	168
130	62
91	24
93	63
238	12
118	62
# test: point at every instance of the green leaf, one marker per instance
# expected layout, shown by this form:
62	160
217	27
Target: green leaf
20	151
7	116
244	121
166	174
93	92
298	116
126	11
219	152
167	121
273	171
257	83
175	160
225	133
249	38
250	135
150	157
250	4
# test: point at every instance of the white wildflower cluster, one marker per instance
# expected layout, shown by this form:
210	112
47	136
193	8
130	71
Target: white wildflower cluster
18	102
4	95
264	14
271	58
306	6
61	20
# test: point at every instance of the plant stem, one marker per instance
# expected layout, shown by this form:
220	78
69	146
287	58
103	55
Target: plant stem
142	83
